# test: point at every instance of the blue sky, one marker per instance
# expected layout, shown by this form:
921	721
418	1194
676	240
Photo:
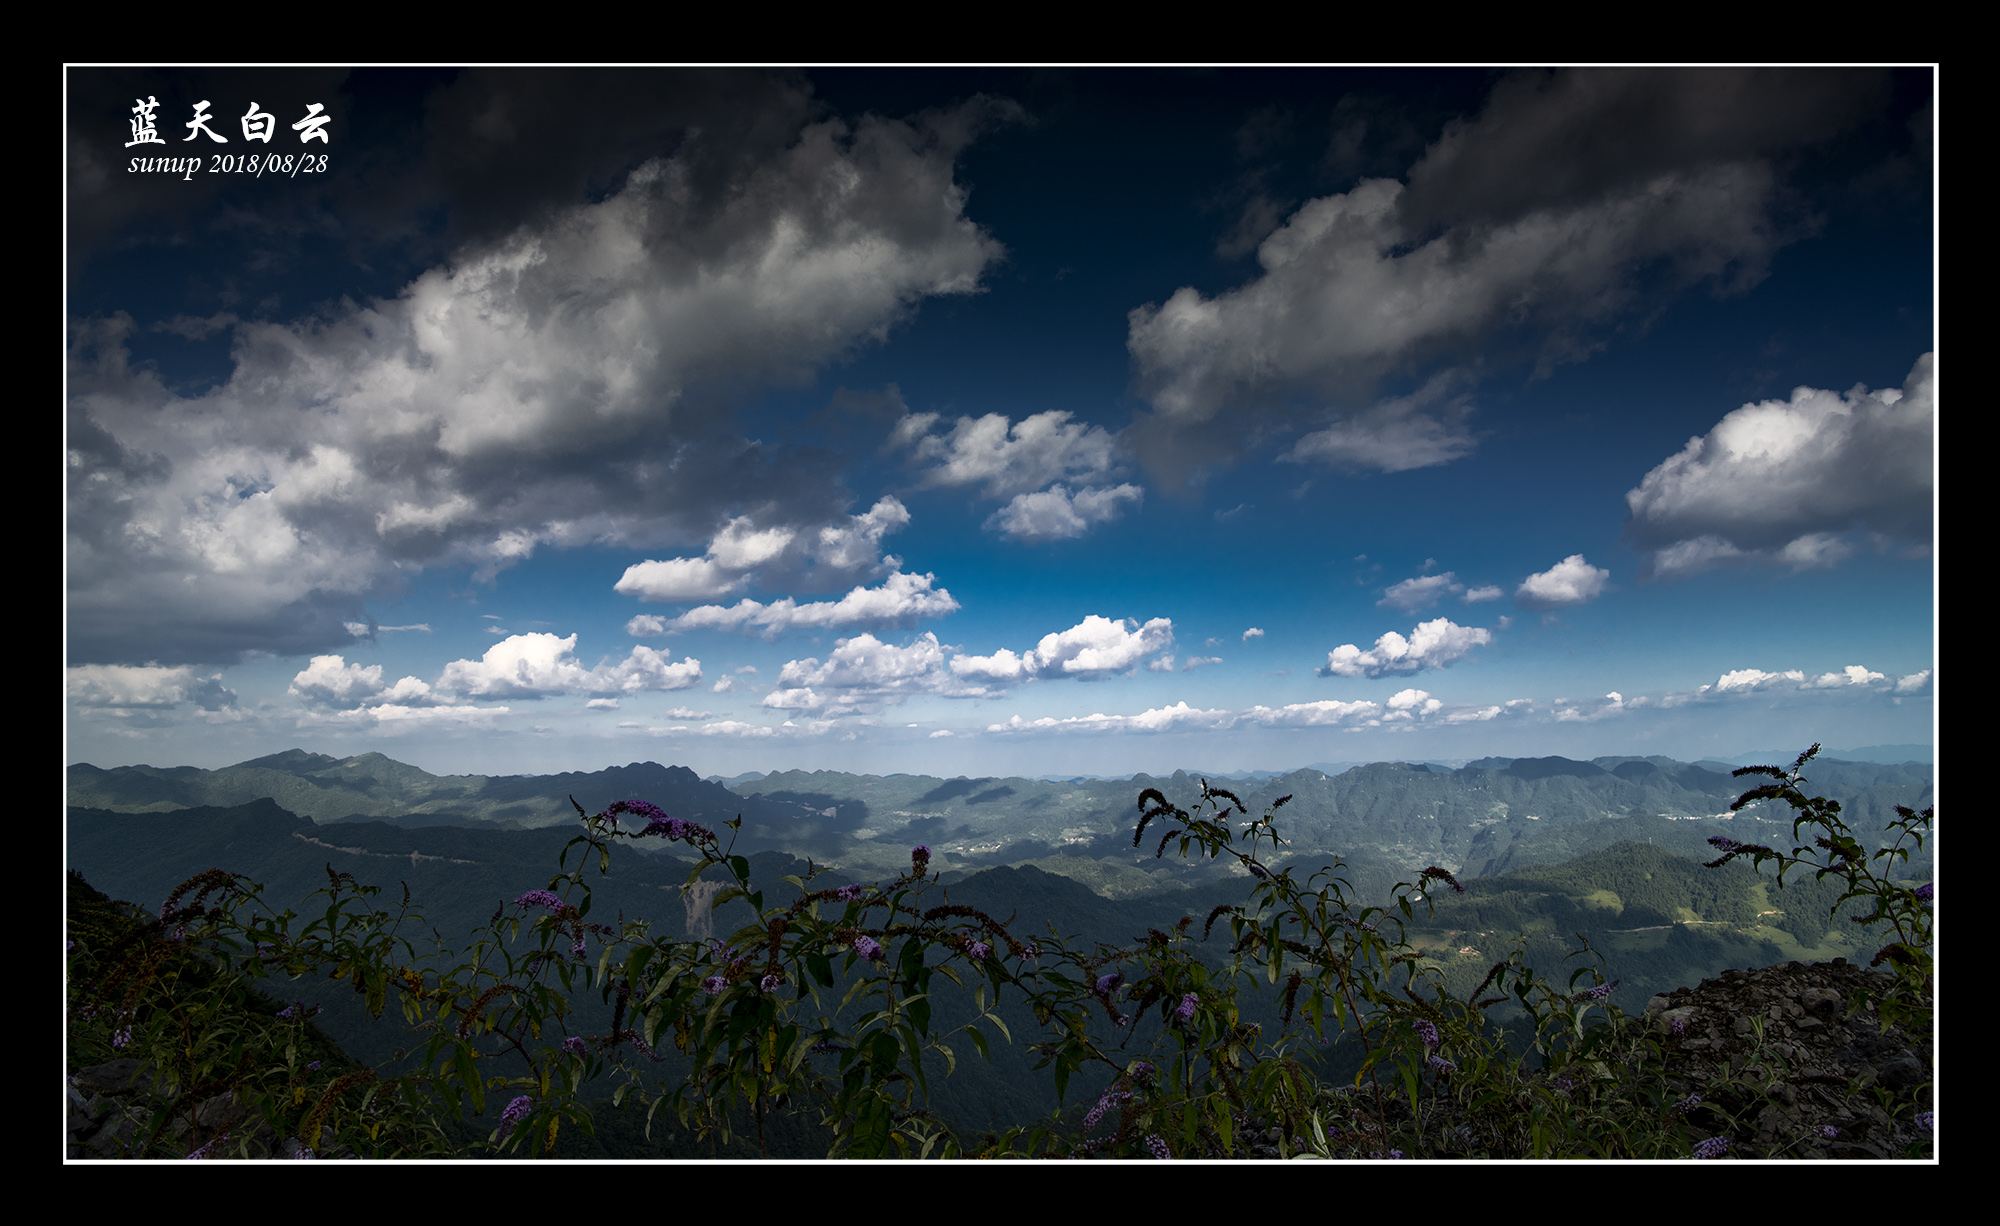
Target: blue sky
998	421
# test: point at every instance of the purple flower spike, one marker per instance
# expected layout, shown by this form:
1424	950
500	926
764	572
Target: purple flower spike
1926	891
1159	1149
1714	1147
645	811
920	858
978	950
868	949
1109	982
1188	1005
714	985
539	898
1427	1032
515	1112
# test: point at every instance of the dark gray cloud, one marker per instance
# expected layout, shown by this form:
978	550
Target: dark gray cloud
564	379
1573	201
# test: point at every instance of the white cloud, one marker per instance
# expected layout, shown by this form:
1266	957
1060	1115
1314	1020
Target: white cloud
723	685
863	673
1913	683
1032	453
1313	714
733	727
646	625
1785	482
1252	633
1757	679
1570	581
1421	592
534	665
1094	648
1197	661
1056	514
899	600
117	685
1432	644
1853	674
1478	594
741	553
1178	717
1182	717
1414	701
331	680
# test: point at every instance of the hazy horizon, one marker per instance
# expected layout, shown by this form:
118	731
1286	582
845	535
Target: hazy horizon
998	422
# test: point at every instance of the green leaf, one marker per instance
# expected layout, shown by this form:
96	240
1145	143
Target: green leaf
468	1076
871	1130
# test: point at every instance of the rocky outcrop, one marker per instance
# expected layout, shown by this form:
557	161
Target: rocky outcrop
1821	1063
1824	1079
111	1108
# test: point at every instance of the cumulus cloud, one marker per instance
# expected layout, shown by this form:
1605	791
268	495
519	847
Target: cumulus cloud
537	665
1408	701
1570	581
331	681
1056	514
1007	459
1421	592
1094	648
1252	633
741	552
646	625
1432	644
1579	224
1757	679
1478	594
863	672
898	601
1789	482
124	686
564	378
1853	674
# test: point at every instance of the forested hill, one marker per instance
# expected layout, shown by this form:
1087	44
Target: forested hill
372	787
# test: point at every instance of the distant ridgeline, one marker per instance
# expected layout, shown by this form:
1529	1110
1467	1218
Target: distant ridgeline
1547	847
1492	816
